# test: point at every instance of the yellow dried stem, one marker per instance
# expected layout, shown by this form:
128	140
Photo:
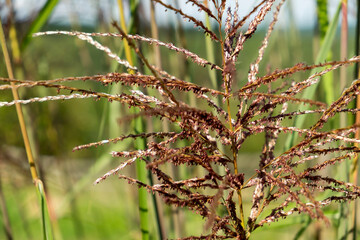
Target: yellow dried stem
19	112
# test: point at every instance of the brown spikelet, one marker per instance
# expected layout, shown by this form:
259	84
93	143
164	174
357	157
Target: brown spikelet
207	137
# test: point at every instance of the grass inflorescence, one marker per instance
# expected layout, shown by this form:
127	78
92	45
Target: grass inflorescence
286	181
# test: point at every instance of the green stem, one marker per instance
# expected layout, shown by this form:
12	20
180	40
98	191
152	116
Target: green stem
5	215
355	162
309	92
139	127
344	220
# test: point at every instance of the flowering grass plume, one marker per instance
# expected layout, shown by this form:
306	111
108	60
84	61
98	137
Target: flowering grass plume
286	181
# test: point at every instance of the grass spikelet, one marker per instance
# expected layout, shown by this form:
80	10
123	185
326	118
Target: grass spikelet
208	138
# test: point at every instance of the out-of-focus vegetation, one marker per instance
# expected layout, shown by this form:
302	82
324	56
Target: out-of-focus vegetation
59	56
109	210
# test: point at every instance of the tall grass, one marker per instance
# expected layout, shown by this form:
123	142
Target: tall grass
309	93
210	135
46	223
39	22
355	164
140	143
5	215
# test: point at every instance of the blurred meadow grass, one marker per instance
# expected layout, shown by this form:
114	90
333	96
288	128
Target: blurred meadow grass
109	210
58	56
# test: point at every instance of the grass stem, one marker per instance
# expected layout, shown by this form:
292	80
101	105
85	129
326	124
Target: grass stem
355	163
157	206
5	215
139	127
36	180
20	115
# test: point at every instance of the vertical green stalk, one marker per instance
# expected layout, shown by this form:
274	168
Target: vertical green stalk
44	206
355	162
5	215
343	228
309	92
47	231
139	127
127	48
141	174
327	82
322	17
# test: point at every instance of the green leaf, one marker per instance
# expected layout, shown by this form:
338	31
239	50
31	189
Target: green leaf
303	228
39	22
310	91
46	223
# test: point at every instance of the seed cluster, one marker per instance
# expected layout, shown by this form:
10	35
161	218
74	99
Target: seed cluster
287	181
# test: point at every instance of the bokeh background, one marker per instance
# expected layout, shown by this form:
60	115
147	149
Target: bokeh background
109	210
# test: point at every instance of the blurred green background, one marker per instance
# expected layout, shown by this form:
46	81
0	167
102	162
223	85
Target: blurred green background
109	210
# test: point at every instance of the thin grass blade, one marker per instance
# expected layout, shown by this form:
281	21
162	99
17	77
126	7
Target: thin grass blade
344	219
327	82
309	93
355	161
5	215
303	229
39	22
46	227
46	223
